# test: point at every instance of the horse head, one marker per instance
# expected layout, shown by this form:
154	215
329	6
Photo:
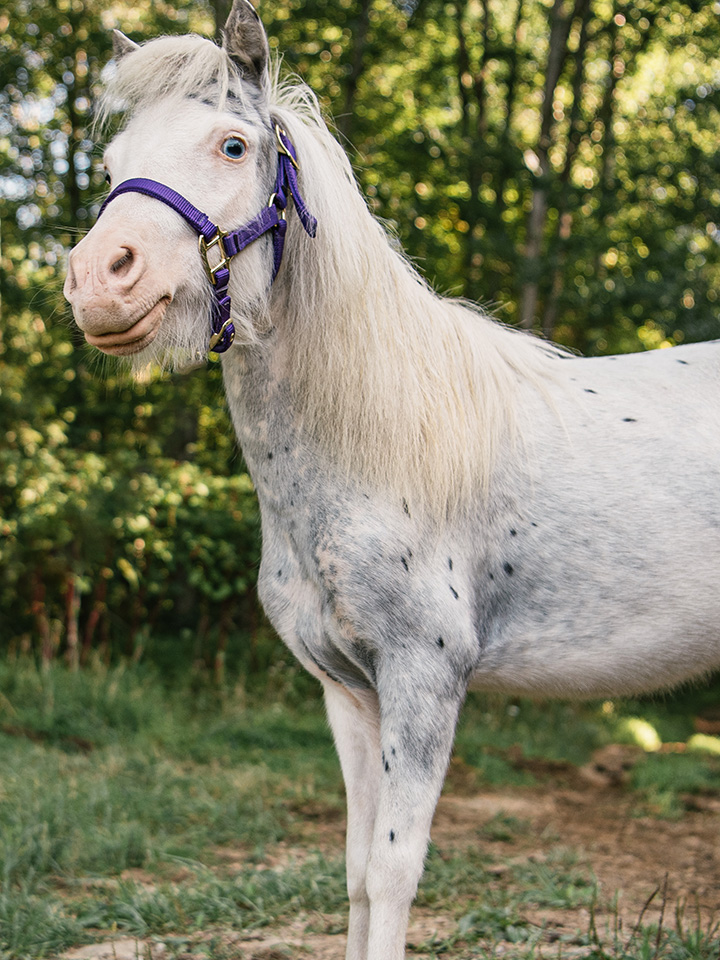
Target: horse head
197	123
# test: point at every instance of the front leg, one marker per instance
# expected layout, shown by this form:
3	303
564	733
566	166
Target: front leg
419	710
355	722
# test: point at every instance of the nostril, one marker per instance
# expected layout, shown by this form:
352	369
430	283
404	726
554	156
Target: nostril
123	263
125	267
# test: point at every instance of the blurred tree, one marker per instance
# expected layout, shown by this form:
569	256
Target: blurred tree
556	159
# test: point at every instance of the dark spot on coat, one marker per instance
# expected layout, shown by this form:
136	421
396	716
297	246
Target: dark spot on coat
454	592
406	508
440	642
683	362
270	456
629	420
532	523
287	449
508	568
588	390
450	562
387	767
279	573
491	575
513	533
404	562
392	836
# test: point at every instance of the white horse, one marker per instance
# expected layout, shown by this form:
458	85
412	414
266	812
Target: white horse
444	502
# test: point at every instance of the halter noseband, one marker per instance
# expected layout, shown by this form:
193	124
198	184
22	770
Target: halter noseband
228	244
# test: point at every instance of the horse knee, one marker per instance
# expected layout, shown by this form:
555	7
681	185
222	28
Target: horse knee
395	878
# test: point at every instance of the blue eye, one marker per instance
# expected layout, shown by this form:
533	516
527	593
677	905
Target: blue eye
234	148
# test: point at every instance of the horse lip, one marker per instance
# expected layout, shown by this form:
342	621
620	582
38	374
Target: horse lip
136	337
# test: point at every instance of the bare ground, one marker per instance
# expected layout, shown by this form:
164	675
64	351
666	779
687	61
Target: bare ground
631	857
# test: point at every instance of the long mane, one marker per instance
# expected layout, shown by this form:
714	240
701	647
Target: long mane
410	391
414	391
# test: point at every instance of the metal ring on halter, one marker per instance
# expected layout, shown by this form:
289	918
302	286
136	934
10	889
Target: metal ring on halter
218	335
282	211
279	134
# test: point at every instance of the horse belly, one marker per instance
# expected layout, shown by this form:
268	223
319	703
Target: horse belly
614	554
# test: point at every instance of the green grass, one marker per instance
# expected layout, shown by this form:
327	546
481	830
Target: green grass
491	724
120	798
105	771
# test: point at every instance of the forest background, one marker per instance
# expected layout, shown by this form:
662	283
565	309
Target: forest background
555	159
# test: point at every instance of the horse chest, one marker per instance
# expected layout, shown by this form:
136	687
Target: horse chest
347	586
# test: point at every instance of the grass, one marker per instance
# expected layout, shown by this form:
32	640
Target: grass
127	806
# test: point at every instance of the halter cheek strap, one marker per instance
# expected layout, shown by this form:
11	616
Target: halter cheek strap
226	245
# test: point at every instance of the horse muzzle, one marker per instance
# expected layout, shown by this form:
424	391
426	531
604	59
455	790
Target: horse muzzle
113	298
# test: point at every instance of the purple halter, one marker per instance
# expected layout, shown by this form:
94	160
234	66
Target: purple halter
228	244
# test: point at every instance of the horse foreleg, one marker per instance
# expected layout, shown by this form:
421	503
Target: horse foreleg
418	718
355	722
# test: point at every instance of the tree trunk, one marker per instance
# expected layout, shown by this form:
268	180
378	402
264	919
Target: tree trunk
474	139
504	144
42	622
565	217
560	24
605	116
346	119
72	612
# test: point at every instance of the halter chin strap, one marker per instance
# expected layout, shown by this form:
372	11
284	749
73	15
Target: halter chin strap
228	244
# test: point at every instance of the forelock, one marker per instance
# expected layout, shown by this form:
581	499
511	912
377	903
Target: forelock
183	66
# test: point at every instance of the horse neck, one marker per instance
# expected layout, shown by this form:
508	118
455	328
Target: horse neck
321	382
369	370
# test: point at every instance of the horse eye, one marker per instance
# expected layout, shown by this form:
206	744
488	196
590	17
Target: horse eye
108	178
234	148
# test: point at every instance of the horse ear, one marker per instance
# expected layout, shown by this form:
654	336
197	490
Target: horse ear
245	42
122	45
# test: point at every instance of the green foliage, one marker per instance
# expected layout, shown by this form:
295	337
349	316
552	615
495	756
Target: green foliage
121	505
94	544
589	193
105	771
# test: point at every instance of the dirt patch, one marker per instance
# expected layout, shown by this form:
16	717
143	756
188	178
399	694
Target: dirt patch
630	856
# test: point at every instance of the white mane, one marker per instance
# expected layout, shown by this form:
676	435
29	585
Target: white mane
411	391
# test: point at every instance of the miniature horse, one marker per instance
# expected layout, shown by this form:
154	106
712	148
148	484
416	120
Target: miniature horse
445	502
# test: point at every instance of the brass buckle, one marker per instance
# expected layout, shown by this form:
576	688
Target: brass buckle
282	148
205	245
281	210
217	337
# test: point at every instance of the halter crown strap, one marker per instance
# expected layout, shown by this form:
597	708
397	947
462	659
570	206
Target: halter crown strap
226	245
